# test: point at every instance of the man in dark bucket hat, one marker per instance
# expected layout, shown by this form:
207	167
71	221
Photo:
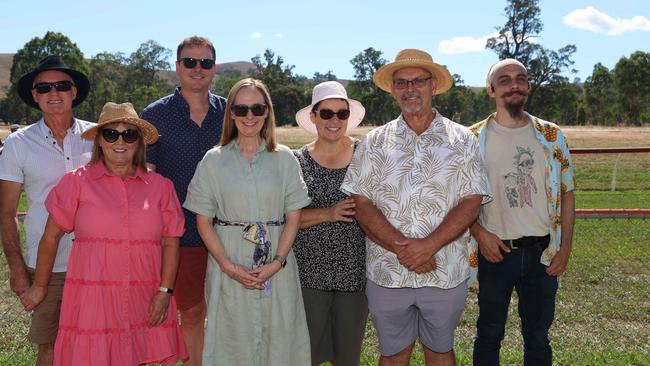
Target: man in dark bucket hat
33	160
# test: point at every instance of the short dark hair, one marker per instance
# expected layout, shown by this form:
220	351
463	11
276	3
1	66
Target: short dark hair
195	41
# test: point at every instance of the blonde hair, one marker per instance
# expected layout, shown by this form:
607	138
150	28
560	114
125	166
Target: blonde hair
268	130
140	156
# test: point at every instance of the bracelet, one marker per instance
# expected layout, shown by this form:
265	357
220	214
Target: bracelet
166	290
281	259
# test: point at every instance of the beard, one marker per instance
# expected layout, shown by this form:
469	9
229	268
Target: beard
516	108
411	108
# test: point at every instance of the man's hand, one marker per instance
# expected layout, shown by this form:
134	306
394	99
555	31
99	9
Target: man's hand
491	246
559	263
33	296
415	253
427	266
19	281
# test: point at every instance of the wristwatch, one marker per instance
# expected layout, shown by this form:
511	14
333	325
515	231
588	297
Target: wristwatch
281	259
166	290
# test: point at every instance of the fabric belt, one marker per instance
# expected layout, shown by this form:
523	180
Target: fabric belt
256	233
528	241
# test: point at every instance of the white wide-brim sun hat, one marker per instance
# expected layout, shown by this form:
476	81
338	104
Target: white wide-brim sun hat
330	90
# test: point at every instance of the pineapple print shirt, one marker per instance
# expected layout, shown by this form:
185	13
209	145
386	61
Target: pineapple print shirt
415	180
559	179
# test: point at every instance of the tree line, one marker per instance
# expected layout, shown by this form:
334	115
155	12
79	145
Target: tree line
607	97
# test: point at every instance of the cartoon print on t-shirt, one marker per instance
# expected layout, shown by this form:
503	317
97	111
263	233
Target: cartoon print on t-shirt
519	184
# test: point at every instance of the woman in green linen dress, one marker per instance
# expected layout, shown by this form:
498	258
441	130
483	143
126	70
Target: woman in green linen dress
247	194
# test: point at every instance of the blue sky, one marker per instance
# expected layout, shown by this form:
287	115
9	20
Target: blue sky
322	36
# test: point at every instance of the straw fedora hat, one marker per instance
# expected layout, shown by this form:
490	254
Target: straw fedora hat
55	63
330	90
114	113
410	57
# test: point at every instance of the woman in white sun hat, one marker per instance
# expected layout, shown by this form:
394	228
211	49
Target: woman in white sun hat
330	246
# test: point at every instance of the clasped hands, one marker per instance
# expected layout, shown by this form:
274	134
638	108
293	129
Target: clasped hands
417	255
251	278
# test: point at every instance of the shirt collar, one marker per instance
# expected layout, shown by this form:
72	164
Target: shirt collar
98	170
232	145
436	125
178	98
75	129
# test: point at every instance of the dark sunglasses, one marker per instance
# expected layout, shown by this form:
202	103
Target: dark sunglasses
241	110
62	86
129	135
190	62
341	114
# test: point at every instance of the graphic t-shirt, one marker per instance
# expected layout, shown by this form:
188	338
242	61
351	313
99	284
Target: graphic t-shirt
515	165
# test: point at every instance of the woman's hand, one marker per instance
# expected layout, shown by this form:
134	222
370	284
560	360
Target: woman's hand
265	272
342	211
158	308
33	296
241	274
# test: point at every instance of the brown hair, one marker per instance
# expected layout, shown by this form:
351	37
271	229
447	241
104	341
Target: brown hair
140	157
195	41
268	130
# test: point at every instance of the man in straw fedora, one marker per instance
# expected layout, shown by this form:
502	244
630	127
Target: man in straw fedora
523	238
417	182
34	159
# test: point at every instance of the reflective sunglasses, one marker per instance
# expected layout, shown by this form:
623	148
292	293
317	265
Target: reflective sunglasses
62	86
241	110
341	114
417	83
129	135
190	62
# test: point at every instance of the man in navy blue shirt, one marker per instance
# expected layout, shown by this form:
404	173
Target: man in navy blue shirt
189	122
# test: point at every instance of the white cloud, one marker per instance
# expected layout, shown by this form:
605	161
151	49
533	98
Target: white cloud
467	44
594	20
256	35
279	35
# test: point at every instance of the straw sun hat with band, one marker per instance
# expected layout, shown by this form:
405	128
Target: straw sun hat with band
409	57
330	90
116	113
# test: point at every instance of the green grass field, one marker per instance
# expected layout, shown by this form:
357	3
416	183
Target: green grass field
603	306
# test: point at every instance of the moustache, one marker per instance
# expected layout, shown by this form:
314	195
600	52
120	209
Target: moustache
410	95
523	94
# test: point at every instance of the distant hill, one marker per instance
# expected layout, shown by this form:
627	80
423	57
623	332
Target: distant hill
6	59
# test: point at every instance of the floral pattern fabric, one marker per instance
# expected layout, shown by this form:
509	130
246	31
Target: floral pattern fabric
415	180
559	179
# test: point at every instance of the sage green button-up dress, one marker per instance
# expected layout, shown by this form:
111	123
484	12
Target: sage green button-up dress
245	327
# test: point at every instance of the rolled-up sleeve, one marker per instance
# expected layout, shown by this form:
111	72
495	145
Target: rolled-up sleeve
201	197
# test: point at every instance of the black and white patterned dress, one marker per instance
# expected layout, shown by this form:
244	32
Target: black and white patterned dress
331	255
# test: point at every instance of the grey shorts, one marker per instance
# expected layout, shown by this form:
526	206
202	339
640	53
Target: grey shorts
45	318
400	315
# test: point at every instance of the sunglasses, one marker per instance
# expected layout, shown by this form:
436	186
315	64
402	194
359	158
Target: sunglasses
341	114
129	135
241	110
190	62
62	86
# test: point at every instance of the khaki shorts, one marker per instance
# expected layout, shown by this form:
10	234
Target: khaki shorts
189	289
45	318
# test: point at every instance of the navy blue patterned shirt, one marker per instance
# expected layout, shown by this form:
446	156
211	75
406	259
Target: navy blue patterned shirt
182	145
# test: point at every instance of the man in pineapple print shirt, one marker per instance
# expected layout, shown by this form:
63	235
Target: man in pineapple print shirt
524	235
418	182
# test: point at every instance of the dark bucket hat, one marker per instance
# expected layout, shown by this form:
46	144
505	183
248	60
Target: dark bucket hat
55	63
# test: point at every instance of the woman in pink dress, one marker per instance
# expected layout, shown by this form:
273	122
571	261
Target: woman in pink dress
117	306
